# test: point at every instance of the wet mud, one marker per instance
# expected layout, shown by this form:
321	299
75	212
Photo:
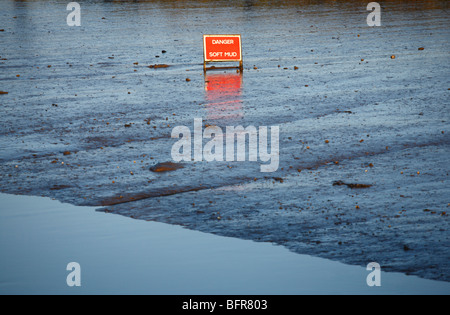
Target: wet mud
364	137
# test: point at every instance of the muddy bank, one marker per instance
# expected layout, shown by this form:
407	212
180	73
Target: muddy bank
86	120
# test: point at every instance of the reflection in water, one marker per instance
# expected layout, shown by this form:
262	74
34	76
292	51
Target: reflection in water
223	96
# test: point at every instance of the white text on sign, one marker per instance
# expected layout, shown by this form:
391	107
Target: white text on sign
222	42
222	54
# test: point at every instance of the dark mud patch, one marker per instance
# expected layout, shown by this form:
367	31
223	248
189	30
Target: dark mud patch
152	194
352	186
166	167
105	64
279	179
60	187
157	66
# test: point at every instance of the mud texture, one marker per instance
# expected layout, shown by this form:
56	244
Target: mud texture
87	116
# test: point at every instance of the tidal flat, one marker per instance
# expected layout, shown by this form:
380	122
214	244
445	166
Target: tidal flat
88	112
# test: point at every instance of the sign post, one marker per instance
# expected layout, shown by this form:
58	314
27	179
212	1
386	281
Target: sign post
222	48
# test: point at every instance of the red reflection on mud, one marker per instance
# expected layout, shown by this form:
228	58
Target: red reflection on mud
223	96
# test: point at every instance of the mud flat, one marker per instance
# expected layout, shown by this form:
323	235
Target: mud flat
85	120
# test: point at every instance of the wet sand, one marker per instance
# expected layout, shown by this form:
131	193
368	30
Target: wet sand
85	119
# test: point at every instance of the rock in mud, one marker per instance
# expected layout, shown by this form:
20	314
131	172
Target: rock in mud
158	66
165	167
352	186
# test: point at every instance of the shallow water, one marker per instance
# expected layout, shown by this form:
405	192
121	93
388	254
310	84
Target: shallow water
117	255
79	87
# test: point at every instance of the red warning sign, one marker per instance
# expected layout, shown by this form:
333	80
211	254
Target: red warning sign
222	48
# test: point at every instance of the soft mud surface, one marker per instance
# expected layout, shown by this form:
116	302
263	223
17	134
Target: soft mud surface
364	138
